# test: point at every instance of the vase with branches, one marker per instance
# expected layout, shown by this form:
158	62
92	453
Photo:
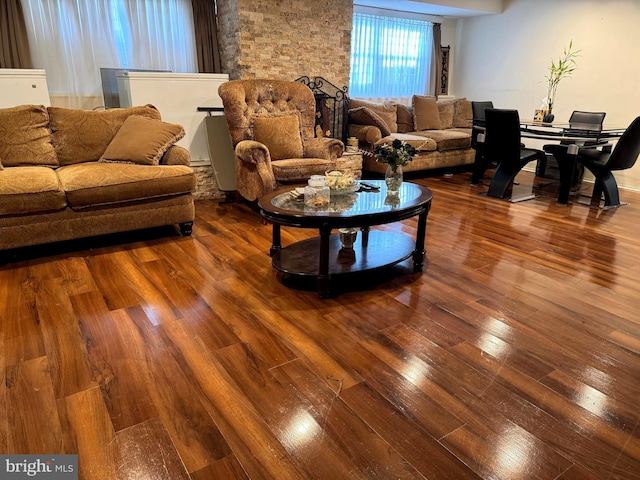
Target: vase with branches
564	67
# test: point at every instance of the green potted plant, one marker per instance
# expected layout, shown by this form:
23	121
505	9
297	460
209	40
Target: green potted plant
395	155
557	71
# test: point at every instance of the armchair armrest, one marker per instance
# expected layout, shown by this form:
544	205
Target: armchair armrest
176	155
365	133
254	174
324	147
254	152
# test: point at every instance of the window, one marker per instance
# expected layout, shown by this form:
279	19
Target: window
73	39
390	57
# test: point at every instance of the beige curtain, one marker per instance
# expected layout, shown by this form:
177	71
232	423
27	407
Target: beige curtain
14	45
437	58
206	31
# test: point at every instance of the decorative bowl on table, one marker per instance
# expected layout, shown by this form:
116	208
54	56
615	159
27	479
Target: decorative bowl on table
341	183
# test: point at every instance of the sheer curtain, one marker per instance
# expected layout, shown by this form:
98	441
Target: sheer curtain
390	57
72	39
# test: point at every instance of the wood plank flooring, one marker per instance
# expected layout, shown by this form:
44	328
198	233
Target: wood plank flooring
514	355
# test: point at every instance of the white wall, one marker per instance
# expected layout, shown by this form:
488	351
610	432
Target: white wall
505	58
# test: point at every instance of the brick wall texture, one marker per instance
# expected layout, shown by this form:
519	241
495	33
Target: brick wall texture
286	39
206	185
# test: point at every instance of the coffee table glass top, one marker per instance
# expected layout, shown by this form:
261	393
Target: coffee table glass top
353	204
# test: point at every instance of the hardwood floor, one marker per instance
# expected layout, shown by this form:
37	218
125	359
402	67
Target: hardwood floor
514	355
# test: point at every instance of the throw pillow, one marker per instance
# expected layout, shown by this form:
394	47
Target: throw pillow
405	119
387	111
142	140
366	116
83	135
425	113
446	110
463	116
281	136
25	138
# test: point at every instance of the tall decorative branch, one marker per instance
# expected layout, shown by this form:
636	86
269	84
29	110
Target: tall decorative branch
557	71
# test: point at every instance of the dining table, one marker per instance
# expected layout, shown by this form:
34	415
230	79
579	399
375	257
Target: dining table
575	137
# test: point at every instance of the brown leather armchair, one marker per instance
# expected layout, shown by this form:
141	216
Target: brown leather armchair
271	123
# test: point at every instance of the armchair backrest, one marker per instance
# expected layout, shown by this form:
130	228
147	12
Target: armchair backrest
627	149
244	100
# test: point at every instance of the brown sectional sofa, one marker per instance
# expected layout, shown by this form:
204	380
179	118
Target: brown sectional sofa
440	129
68	174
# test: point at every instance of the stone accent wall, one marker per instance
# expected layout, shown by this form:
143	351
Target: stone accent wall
206	186
229	37
286	39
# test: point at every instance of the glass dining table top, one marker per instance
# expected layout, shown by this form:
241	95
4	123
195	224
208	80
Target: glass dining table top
566	131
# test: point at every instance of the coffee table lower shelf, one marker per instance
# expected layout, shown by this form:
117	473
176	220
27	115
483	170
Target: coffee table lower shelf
383	249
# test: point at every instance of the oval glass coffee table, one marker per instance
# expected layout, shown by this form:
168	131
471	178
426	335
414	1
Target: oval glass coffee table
323	256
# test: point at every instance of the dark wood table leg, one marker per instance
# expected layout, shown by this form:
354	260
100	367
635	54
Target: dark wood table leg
276	242
324	279
421	233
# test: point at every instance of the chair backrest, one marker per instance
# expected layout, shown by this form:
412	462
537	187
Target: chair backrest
244	100
627	149
589	121
478	109
502	137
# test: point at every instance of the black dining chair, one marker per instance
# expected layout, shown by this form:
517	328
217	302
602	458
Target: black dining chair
602	163
477	128
555	165
502	145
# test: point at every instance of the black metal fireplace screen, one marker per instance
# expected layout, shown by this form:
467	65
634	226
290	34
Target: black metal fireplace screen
332	107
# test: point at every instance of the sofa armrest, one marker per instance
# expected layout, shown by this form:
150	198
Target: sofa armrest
324	147
368	134
176	155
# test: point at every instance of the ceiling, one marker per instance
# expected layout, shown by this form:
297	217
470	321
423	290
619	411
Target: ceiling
444	8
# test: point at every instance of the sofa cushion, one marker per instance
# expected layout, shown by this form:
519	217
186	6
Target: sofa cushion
280	134
449	139
421	142
25	138
142	140
366	116
446	111
425	113
387	111
30	189
405	118
83	135
98	183
300	169
463	115
367	134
